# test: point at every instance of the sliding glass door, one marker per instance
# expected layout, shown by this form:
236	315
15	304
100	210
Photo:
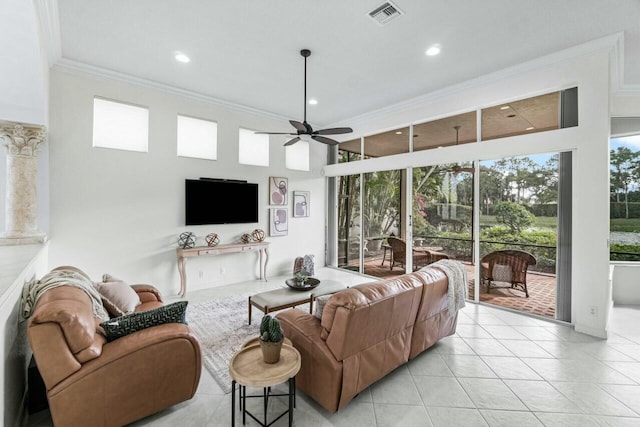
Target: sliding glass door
520	209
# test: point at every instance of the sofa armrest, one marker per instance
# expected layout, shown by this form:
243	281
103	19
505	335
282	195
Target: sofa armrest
320	375
136	376
147	293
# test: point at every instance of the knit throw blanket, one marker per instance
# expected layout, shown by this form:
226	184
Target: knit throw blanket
457	290
33	291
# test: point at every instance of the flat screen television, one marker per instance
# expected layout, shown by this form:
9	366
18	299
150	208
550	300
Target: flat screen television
213	201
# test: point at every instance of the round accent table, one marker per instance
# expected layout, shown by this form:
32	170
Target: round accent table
248	369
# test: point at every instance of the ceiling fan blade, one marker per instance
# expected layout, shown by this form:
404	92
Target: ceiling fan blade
333	131
292	141
274	133
325	140
300	127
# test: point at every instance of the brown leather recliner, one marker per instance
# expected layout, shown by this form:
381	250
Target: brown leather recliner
366	332
91	382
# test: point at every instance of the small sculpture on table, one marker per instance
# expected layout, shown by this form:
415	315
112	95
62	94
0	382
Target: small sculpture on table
245	238
212	239
187	240
257	235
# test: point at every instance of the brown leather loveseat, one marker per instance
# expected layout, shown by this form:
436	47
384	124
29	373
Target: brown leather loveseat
366	332
92	382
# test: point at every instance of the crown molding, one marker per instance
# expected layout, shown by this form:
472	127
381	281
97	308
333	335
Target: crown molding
605	44
618	85
81	68
49	23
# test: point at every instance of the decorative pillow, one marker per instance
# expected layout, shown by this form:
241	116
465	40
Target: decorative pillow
130	323
120	293
501	273
320	302
111	308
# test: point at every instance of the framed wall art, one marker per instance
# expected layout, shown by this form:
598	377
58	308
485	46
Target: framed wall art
278	222
278	189
301	203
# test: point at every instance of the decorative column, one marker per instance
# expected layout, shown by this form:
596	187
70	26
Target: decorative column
22	141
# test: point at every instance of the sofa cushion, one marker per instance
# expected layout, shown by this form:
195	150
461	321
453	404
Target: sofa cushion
120	293
130	323
501	273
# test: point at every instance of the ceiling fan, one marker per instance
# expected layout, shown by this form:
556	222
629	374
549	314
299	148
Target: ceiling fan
305	128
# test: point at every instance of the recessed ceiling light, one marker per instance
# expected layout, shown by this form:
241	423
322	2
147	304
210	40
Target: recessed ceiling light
504	107
399	132
530	128
181	57
313	101
433	50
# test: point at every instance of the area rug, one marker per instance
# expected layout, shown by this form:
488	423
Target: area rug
222	327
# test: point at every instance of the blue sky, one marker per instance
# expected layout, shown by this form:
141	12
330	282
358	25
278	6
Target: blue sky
632	142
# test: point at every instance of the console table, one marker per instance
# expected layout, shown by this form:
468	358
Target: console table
183	254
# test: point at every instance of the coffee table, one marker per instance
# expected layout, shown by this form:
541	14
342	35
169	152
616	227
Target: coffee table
277	299
247	368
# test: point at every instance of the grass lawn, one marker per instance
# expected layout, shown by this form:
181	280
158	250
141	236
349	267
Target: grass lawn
631	225
540	222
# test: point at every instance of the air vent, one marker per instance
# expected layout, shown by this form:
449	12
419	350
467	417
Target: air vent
385	13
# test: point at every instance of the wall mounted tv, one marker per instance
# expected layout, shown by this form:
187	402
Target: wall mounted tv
220	201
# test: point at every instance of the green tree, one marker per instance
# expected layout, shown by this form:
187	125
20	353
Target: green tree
625	166
381	208
492	188
514	216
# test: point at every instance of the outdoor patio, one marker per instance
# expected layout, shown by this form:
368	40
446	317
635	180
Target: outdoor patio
541	286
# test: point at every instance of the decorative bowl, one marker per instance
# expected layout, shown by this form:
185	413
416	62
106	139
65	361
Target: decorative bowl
310	283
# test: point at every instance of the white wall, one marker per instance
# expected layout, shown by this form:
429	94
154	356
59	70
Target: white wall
625	105
590	72
120	212
626	283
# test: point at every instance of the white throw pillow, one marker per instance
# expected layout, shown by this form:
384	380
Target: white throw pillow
501	273
120	293
320	302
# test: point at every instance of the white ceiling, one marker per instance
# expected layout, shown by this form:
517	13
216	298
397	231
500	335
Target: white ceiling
247	51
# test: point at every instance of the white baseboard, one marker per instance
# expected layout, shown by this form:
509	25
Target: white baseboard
599	333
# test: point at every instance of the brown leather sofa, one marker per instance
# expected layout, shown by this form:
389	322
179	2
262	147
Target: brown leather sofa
366	332
92	382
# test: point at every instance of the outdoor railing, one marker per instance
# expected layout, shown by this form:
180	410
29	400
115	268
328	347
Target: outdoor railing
462	249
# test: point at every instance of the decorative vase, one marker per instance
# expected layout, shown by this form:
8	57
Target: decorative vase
271	351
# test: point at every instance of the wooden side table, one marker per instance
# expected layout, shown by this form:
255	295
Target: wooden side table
248	369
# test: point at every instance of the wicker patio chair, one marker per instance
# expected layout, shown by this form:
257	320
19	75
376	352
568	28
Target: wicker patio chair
507	268
399	253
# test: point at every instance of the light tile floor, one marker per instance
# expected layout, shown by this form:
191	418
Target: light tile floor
499	369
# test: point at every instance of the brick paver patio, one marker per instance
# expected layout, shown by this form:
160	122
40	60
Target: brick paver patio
541	286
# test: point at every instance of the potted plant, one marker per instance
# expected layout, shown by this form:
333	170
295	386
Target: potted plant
271	338
300	279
